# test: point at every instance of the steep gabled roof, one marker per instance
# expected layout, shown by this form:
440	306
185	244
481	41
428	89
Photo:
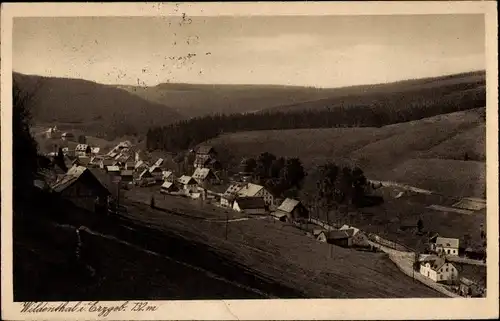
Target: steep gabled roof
158	163
202	173
201	161
204	149
145	173
250	190
233	189
447	242
167	185
139	164
350	229
288	205
73	175
435	262
187	180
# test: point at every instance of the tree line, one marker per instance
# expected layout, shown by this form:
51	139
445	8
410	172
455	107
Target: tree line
336	188
281	176
382	110
331	187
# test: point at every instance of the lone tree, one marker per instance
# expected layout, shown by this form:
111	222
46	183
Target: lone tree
326	186
59	160
420	225
82	139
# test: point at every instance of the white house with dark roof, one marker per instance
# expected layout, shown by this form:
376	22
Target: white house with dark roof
445	245
438	269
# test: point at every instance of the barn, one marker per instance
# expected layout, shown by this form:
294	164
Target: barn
82	188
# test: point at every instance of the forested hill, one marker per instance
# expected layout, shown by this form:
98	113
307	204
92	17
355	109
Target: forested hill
197	100
363	110
397	95
100	110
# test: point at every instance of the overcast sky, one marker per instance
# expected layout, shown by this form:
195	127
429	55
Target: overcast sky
321	51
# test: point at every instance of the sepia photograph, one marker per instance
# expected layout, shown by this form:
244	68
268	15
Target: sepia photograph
187	155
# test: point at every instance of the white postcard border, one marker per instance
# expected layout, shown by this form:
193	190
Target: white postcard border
348	309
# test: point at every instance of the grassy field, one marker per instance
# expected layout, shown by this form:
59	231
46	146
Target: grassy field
44	272
270	248
152	254
415	152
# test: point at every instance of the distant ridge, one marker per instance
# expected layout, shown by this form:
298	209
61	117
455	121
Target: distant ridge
204	99
101	110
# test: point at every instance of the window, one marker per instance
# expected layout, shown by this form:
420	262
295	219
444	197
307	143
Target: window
446	269
447	251
440	277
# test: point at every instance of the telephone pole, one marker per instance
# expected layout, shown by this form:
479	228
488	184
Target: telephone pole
227	223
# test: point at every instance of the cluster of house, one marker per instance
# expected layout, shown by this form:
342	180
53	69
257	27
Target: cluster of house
243	197
439	269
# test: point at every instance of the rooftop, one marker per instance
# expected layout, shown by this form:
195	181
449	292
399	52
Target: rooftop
184	179
288	205
250	190
447	242
204	149
435	262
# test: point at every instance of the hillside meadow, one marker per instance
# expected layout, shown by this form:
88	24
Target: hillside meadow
427	153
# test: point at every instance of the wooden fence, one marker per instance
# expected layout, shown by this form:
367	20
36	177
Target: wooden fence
387	243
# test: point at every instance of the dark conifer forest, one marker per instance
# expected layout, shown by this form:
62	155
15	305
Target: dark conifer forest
354	111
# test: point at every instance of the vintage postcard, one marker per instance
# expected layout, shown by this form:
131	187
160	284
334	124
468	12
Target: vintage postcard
264	161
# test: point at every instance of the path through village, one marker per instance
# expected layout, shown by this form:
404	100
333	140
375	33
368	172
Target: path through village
404	261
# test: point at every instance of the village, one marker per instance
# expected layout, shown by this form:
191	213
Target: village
99	182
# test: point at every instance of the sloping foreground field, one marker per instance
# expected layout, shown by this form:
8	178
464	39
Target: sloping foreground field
390	153
154	255
43	271
281	253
